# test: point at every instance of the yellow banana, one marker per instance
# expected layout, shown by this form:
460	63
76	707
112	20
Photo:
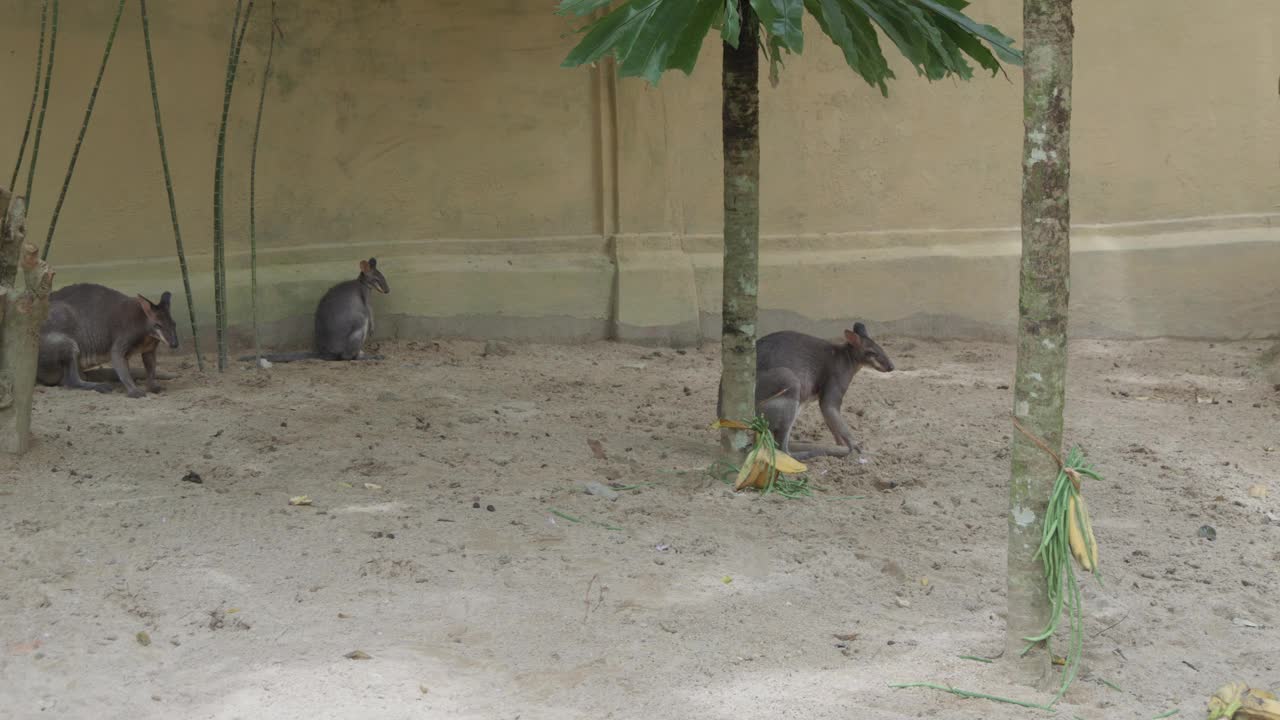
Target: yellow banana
1080	533
788	465
748	467
1237	701
755	468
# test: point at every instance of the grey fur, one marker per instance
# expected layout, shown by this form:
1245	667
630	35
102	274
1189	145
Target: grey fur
90	325
344	319
793	368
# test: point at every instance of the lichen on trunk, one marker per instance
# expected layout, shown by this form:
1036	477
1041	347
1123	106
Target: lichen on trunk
740	85
1039	385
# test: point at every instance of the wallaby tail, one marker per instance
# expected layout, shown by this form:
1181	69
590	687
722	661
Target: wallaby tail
283	357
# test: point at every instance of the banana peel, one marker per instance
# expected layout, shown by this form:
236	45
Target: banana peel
1237	701
755	470
1084	547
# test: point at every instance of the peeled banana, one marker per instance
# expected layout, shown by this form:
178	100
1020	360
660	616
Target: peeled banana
1080	533
755	468
1237	701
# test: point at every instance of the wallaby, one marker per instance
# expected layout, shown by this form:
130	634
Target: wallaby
344	319
89	325
793	368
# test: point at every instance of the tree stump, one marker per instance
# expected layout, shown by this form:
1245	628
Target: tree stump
22	311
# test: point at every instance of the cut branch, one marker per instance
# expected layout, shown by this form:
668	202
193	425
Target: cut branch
22	312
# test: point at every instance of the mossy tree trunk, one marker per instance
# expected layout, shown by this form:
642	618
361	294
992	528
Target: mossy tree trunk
1040	384
740	118
22	312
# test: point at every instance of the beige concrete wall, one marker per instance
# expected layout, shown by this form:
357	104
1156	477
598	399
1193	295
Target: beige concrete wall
506	196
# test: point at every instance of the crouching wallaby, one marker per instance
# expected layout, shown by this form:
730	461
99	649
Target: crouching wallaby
89	325
344	319
793	368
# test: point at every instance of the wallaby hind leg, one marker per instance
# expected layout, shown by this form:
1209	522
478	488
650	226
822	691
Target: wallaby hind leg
107	375
808	451
61	352
355	341
830	402
778	399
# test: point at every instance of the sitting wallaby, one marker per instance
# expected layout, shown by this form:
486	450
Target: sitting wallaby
89	325
344	319
793	368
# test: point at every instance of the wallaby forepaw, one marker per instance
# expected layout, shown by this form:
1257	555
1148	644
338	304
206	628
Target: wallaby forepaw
154	388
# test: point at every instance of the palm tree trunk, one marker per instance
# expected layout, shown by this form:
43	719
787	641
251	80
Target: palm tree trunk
1040	384
740	84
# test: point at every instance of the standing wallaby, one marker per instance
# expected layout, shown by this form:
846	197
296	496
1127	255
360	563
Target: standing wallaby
344	319
89	325
793	368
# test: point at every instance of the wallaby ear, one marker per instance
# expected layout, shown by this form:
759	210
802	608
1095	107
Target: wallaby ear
147	306
854	340
373	263
364	266
860	329
165	298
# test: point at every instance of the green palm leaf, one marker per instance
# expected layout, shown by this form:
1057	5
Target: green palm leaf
650	37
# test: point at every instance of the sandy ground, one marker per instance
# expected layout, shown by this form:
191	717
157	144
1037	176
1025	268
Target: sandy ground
474	599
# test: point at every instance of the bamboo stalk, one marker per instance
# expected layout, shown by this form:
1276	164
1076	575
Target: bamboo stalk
35	94
219	241
253	184
44	104
168	186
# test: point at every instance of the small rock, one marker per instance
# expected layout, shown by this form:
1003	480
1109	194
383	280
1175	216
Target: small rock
912	508
300	500
604	491
493	347
490	508
193	477
1258	491
1207	532
1242	622
894	570
883	484
902	602
143	638
264	363
475	505
357	655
